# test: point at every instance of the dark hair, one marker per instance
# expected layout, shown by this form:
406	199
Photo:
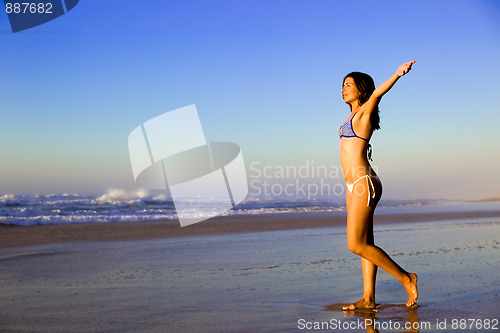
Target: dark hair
365	85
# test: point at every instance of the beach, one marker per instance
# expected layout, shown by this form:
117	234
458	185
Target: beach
264	273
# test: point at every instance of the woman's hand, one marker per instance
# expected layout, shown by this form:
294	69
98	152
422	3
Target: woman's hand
404	68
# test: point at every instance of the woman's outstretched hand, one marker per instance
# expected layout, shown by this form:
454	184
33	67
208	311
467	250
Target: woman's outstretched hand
404	68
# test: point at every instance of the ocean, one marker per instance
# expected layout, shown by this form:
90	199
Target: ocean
131	206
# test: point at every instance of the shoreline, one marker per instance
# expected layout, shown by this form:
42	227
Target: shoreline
17	236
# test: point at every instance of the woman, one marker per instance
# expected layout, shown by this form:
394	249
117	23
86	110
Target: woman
364	188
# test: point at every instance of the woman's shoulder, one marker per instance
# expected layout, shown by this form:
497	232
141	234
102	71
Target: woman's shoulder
363	113
363	123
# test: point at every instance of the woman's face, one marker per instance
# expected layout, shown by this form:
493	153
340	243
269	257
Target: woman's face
350	93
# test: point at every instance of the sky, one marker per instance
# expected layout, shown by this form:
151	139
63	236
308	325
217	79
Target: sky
265	75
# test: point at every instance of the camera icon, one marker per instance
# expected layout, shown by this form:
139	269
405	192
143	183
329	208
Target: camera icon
169	152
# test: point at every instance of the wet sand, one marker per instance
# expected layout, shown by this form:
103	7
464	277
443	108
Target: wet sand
230	277
11	236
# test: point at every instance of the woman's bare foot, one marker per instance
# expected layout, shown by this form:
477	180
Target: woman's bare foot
411	289
364	303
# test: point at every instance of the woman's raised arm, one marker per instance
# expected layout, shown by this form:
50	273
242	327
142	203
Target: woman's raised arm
387	85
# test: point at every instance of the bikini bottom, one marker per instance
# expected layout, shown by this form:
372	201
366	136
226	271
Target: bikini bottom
371	188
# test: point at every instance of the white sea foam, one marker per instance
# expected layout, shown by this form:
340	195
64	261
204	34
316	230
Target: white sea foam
119	205
114	195
8	200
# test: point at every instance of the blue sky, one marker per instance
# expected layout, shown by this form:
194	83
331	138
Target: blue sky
263	74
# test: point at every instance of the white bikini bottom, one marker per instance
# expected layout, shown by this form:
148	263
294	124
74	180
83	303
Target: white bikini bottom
371	188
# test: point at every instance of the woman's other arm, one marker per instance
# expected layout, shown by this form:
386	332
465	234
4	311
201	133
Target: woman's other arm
386	86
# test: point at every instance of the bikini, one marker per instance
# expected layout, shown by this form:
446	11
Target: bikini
347	131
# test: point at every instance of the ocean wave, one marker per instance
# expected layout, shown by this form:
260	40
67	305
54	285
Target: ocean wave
115	205
117	196
118	205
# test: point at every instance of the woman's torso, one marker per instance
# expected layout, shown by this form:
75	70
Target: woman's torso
354	148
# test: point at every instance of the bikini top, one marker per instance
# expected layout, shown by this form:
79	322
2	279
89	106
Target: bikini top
347	131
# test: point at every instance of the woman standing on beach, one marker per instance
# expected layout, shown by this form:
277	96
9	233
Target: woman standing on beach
364	188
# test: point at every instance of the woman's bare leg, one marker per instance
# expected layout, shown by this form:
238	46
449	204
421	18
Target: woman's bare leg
359	230
369	277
